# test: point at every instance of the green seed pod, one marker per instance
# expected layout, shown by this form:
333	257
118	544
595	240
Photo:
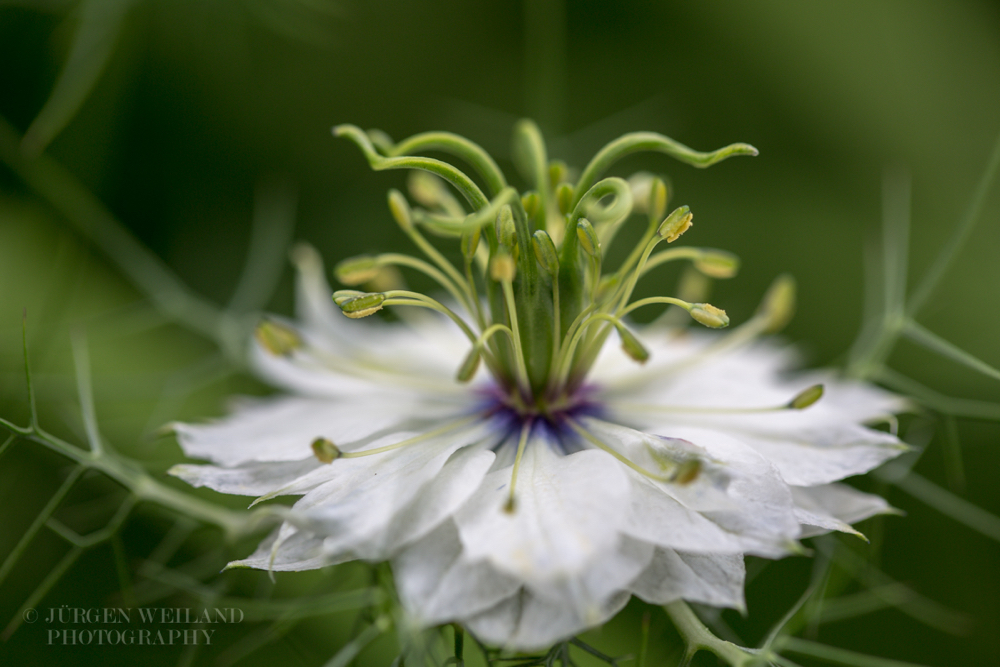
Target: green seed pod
545	252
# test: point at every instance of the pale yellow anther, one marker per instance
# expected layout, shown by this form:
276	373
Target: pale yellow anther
506	230
469	366
400	210
325	451
709	315
470	242
658	197
588	238
502	268
357	270
430	191
530	201
631	345
778	304
545	252
564	198
558	171
363	306
687	471
806	397
344	295
717	264
675	224
276	338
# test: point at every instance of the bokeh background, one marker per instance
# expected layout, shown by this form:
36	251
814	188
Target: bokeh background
191	123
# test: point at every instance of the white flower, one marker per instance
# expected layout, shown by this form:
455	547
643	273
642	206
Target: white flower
530	504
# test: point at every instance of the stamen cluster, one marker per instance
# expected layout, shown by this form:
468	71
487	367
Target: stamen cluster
533	263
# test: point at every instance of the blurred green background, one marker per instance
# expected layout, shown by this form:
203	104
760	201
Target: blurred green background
206	113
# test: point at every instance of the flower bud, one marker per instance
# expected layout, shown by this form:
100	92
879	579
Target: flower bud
276	338
778	304
588	238
545	252
325	450
717	264
806	397
709	315
357	270
564	198
675	224
502	268
400	210
469	366
363	306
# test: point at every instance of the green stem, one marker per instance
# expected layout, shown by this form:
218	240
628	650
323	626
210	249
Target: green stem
697	637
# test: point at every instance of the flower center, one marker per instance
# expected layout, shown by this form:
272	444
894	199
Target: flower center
539	300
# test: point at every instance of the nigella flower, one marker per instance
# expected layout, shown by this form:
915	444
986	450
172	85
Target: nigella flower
530	498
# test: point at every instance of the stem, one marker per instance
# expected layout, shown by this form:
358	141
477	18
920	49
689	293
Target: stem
696	636
958	239
131	476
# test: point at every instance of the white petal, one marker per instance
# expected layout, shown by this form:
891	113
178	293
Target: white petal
527	622
283	429
715	579
824	453
567	512
364	508
821	444
757	512
436	501
299	550
834	507
248	479
437	584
